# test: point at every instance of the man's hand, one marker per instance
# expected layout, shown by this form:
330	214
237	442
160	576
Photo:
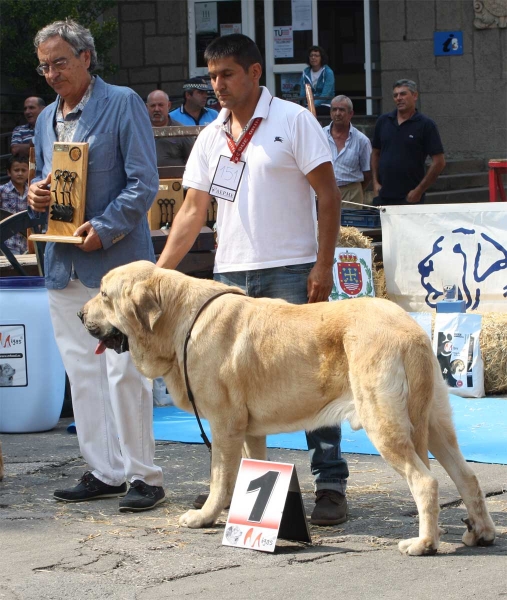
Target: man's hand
39	195
92	240
414	196
320	283
376	188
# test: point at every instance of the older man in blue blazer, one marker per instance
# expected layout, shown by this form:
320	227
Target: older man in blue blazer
112	402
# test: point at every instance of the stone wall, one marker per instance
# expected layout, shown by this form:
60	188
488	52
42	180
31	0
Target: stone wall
152	49
465	95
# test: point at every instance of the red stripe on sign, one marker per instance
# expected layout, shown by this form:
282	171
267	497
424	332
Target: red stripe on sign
268	524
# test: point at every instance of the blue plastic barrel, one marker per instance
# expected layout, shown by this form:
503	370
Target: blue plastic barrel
32	376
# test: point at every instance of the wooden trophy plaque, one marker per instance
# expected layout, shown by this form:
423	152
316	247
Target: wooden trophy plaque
167	203
68	193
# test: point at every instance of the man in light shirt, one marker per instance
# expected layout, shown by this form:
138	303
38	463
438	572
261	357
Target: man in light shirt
351	151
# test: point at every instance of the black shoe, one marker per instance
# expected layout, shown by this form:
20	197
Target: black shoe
90	488
330	508
141	496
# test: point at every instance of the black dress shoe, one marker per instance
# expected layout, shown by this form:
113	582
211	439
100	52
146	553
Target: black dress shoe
141	496
90	488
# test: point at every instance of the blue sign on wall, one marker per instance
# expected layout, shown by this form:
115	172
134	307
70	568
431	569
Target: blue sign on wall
448	43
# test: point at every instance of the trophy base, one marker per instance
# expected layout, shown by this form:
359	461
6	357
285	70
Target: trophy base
61	239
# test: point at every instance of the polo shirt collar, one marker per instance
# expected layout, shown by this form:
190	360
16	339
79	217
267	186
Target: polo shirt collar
394	116
261	110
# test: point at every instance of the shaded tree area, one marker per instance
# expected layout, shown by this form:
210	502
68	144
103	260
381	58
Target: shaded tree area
21	19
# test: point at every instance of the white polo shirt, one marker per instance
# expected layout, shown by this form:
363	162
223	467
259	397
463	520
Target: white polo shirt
272	221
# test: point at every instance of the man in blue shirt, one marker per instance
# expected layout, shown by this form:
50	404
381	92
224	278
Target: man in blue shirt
402	140
112	401
193	111
22	135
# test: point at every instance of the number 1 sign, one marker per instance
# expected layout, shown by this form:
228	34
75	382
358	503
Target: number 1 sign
266	505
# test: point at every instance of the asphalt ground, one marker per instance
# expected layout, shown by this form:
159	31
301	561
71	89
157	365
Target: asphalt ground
53	550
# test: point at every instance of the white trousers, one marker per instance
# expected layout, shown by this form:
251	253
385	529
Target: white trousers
112	401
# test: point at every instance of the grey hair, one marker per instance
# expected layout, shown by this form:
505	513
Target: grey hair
411	85
345	99
77	36
154	92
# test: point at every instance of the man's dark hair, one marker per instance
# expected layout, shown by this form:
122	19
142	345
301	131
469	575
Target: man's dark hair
324	59
238	46
16	158
40	101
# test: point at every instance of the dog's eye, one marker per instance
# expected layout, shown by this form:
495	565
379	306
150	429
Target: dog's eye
103	294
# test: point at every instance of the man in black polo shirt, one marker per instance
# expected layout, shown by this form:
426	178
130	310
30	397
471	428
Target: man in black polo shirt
402	140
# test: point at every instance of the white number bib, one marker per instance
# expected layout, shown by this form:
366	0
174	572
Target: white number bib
226	180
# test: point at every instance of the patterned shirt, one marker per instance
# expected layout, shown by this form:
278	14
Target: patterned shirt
353	159
66	126
13	202
22	135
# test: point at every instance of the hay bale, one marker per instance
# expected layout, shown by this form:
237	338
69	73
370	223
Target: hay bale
379	283
493	341
351	237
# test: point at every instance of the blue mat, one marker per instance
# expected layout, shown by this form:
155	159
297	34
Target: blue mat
481	426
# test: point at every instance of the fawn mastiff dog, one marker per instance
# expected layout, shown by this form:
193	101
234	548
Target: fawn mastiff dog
260	366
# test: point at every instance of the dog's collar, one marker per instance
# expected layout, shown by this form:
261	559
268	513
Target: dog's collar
187	339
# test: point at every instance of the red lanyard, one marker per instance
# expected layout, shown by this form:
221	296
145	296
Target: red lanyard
237	150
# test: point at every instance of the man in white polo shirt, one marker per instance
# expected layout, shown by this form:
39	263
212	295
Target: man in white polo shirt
260	159
351	151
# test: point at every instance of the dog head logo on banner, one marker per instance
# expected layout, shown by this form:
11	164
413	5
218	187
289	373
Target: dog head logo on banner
425	246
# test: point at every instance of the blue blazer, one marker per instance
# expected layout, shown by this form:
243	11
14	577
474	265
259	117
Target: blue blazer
121	186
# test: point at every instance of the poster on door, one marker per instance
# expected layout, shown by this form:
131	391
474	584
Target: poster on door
206	20
301	15
230	28
283	42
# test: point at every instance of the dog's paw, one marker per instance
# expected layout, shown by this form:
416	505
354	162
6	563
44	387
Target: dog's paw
194	519
418	547
478	536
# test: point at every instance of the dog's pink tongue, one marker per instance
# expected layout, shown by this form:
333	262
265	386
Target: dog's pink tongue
101	347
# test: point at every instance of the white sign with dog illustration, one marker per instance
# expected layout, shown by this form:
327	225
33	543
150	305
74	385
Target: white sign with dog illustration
13	372
266	505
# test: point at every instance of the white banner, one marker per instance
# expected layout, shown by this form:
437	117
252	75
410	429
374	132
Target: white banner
427	246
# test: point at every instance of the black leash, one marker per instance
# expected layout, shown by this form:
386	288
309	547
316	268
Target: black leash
187	339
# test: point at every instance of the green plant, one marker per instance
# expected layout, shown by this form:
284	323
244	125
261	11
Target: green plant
22	19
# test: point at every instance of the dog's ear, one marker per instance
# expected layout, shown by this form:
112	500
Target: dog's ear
147	309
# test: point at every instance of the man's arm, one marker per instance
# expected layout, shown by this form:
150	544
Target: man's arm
320	280
375	160
185	228
436	167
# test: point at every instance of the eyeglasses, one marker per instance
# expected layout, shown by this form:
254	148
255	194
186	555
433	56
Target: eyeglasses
57	65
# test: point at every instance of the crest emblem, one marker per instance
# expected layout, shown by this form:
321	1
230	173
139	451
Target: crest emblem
349	273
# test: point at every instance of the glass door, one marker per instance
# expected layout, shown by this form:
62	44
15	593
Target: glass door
209	20
289	28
